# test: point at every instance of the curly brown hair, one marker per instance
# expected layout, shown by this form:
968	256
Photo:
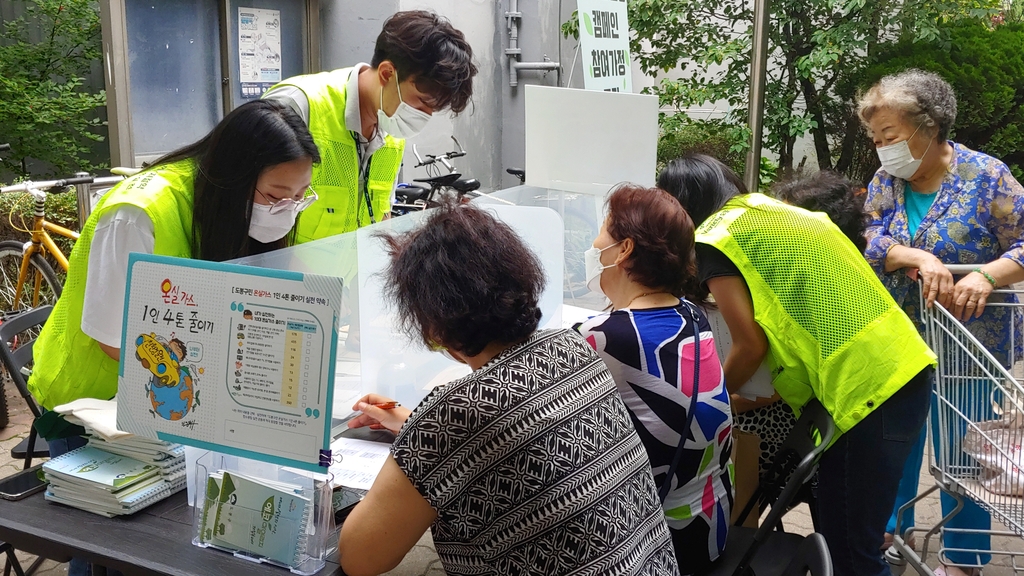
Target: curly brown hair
663	238
464	280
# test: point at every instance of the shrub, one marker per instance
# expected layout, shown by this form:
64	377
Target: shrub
985	66
680	135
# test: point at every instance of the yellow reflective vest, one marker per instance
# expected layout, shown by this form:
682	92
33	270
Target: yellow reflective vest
69	364
833	330
342	205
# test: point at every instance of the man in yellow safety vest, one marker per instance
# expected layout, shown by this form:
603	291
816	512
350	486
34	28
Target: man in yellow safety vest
361	116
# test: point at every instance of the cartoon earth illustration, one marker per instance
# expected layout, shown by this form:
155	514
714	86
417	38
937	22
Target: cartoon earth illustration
171	388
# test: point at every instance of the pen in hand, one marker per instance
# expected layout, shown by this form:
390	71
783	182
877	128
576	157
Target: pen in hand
385	405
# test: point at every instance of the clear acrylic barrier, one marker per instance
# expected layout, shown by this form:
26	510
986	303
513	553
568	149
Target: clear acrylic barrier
374	355
582	214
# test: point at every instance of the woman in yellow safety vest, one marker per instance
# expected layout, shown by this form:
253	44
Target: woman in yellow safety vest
796	292
234	193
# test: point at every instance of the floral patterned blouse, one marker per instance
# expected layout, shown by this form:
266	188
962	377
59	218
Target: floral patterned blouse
977	217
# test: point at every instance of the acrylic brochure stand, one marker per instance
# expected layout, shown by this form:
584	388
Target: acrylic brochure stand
311	534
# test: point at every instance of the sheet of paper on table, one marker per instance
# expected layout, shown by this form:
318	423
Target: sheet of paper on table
357	462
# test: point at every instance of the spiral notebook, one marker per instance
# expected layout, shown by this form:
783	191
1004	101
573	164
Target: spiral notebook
260	517
129	504
109	484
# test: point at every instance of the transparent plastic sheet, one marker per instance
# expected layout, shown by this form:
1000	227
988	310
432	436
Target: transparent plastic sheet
374	355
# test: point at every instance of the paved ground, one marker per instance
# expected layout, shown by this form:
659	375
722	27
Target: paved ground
422	560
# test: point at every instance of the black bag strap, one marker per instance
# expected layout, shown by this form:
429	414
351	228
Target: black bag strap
667	484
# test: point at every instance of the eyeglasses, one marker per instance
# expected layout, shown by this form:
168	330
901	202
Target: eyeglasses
278	206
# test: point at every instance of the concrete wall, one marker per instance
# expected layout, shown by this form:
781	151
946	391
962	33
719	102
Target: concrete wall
492	129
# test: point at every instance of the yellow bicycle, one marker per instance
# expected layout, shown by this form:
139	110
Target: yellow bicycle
27	279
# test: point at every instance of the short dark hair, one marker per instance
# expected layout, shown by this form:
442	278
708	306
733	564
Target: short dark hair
464	280
663	254
833	194
701	183
428	50
253	137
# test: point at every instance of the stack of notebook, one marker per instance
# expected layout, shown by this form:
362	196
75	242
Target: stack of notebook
260	517
112	484
169	458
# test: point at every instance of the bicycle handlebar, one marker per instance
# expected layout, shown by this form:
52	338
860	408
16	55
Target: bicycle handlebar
47	185
442	158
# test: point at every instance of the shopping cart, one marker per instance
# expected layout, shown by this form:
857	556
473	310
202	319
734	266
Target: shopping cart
978	426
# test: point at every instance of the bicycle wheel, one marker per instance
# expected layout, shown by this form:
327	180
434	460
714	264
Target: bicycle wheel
40	275
42	286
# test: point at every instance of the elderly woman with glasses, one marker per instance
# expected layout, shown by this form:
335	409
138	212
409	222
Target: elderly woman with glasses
936	202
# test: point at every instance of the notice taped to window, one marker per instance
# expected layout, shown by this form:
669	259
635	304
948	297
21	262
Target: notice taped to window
232	358
259	50
604	45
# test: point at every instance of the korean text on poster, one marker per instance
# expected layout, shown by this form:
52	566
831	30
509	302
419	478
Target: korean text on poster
604	44
232	358
259	50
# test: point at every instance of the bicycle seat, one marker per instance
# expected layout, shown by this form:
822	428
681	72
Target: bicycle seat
468	185
518	173
409	194
442	180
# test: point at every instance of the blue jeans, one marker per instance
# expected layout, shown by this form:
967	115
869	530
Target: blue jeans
858	477
971	516
77	566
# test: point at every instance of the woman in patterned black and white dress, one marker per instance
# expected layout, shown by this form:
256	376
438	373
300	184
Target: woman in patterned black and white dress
529	465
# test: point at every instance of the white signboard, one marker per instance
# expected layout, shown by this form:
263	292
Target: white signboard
231	358
604	43
259	50
588	141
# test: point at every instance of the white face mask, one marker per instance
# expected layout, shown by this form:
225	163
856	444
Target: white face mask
898	160
592	258
406	122
266	227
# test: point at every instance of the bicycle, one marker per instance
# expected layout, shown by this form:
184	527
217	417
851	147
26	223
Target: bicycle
421	194
25	265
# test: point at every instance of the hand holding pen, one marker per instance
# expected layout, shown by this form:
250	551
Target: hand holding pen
379	413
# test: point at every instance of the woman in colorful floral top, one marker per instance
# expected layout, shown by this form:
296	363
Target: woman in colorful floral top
935	202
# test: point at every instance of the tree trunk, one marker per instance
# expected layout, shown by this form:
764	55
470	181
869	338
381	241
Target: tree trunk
820	135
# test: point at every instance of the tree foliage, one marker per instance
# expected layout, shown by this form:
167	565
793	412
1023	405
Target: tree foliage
45	111
701	49
985	66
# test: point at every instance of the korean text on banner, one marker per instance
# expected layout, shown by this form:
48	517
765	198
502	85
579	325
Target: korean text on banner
604	43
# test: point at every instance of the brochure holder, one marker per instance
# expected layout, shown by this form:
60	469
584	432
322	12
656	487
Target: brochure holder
311	535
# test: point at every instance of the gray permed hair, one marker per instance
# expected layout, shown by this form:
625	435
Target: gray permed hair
921	98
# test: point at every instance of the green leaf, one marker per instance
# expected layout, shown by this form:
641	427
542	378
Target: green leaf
588	24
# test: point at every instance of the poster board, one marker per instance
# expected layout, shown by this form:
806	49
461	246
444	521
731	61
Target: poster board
588	141
604	45
229	358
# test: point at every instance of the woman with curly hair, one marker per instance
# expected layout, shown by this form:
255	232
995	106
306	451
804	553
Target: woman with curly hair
936	202
529	465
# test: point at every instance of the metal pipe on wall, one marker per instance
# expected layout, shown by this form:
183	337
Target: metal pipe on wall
514	52
758	79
